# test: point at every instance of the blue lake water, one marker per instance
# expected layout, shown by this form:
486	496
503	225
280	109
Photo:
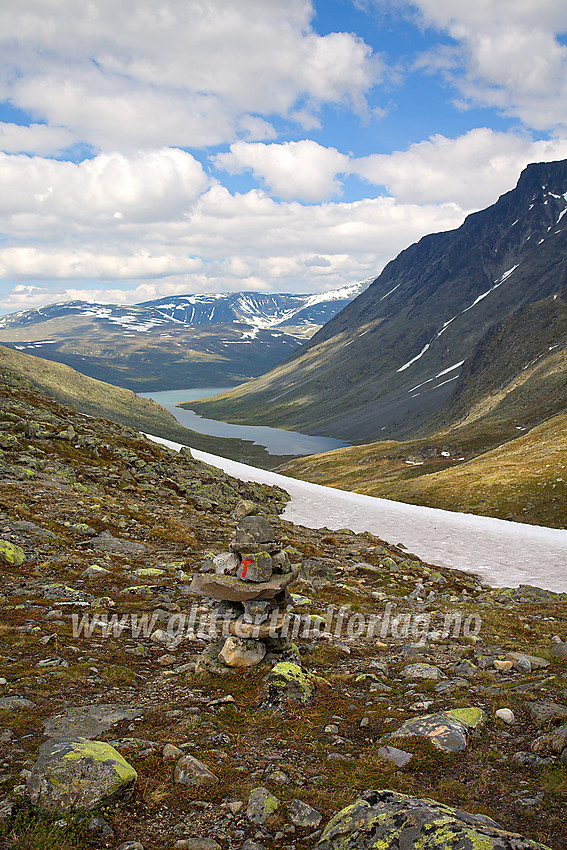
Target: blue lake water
275	440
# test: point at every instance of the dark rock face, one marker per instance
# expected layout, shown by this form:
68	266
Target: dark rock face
386	819
428	311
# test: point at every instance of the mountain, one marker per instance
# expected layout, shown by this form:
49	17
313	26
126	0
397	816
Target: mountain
178	341
456	317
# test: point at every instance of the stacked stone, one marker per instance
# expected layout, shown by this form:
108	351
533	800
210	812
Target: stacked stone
250	584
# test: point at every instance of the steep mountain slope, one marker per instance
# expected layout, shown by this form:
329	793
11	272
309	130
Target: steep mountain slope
175	342
391	359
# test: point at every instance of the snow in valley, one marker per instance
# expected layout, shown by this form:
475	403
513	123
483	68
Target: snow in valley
501	553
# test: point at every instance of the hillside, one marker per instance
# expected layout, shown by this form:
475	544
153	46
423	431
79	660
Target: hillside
396	361
396	691
176	342
96	398
505	454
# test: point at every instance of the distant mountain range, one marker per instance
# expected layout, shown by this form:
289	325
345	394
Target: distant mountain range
462	325
175	342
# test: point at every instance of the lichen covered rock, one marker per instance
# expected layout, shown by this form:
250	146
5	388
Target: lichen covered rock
11	554
78	773
380	820
286	682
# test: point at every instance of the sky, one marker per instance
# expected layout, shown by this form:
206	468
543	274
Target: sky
159	147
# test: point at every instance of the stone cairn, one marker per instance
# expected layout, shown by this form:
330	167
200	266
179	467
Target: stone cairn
249	584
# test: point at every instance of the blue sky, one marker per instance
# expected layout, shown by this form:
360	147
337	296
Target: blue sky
154	147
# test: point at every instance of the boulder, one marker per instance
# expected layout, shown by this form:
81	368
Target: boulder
261	804
251	534
256	567
447	730
226	563
11	554
79	773
286	682
238	652
387	819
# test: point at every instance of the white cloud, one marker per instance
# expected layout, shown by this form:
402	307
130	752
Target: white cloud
179	72
303	170
471	170
41	194
510	55
35	139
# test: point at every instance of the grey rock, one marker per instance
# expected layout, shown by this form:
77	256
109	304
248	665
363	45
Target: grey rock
422	671
256	611
191	771
544	712
301	814
261	804
88	721
393	754
197	844
13	703
315	572
239	652
79	773
226	563
105	542
235	590
388	819
256	567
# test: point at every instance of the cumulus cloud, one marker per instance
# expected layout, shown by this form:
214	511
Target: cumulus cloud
40	194
510	55
304	170
471	170
181	72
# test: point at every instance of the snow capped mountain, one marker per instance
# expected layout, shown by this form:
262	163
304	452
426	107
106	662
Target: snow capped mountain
261	310
175	342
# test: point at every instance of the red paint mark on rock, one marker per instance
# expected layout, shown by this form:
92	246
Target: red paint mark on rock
245	565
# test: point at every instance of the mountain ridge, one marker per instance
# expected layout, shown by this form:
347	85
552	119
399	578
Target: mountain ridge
386	364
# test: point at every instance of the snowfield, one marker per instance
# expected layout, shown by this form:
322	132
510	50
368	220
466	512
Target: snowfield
499	552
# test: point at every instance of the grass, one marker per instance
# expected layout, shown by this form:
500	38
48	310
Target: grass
30	829
524	478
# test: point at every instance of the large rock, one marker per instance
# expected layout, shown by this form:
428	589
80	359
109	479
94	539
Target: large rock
254	534
11	554
391	821
256	567
237	652
105	542
78	773
447	730
286	682
543	713
235	590
88	721
261	804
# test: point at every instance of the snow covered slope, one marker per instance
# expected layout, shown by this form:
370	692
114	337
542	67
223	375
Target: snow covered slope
501	553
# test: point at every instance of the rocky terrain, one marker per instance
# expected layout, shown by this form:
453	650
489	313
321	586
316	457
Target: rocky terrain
399	705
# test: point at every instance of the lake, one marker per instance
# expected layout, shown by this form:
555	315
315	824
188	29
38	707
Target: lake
275	440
